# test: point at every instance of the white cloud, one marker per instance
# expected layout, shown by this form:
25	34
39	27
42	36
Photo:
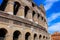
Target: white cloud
54	28
49	3
53	17
48	6
52	0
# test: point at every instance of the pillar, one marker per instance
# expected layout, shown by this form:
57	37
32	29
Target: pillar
9	37
39	20
20	12
9	8
20	37
29	15
35	18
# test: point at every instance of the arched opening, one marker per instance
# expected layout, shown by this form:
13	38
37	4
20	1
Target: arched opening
3	5
33	13
40	36
42	18
26	10
43	37
27	36
38	15
33	4
3	33
16	7
16	35
35	36
46	37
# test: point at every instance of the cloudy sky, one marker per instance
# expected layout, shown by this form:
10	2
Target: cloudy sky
52	8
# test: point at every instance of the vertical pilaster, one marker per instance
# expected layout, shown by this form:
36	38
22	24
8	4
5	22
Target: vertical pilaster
35	18
39	20
29	15
9	37
9	8
20	12
20	37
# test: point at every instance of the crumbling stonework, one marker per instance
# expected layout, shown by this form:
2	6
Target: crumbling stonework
22	20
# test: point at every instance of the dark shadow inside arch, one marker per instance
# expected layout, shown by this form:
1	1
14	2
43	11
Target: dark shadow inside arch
26	10
38	15
43	37
16	35
42	18
35	36
33	4
3	33
16	7
33	13
27	35
40	36
3	5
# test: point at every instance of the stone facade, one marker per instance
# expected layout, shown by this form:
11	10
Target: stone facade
22	20
55	36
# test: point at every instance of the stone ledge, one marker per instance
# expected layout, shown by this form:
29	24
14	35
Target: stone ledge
15	18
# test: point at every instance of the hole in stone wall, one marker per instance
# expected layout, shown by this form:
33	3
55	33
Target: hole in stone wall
27	35
26	10
3	33
16	7
38	15
33	13
35	36
43	37
16	35
33	4
40	36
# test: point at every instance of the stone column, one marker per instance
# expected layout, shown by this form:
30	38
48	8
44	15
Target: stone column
35	18
37	37
20	37
29	15
39	20
9	8
9	37
20	12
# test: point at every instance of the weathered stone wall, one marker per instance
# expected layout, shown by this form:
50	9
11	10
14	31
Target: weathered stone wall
11	24
30	8
28	21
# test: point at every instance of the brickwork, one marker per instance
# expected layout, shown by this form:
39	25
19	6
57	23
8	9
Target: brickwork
55	36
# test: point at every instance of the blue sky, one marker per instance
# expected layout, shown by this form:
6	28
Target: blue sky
52	8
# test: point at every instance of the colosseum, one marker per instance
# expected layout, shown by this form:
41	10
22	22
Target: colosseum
22	20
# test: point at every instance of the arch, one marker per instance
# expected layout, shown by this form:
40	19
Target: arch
43	37
35	36
42	18
38	15
33	5
40	36
3	5
46	37
3	33
33	13
16	7
16	35
27	36
26	10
